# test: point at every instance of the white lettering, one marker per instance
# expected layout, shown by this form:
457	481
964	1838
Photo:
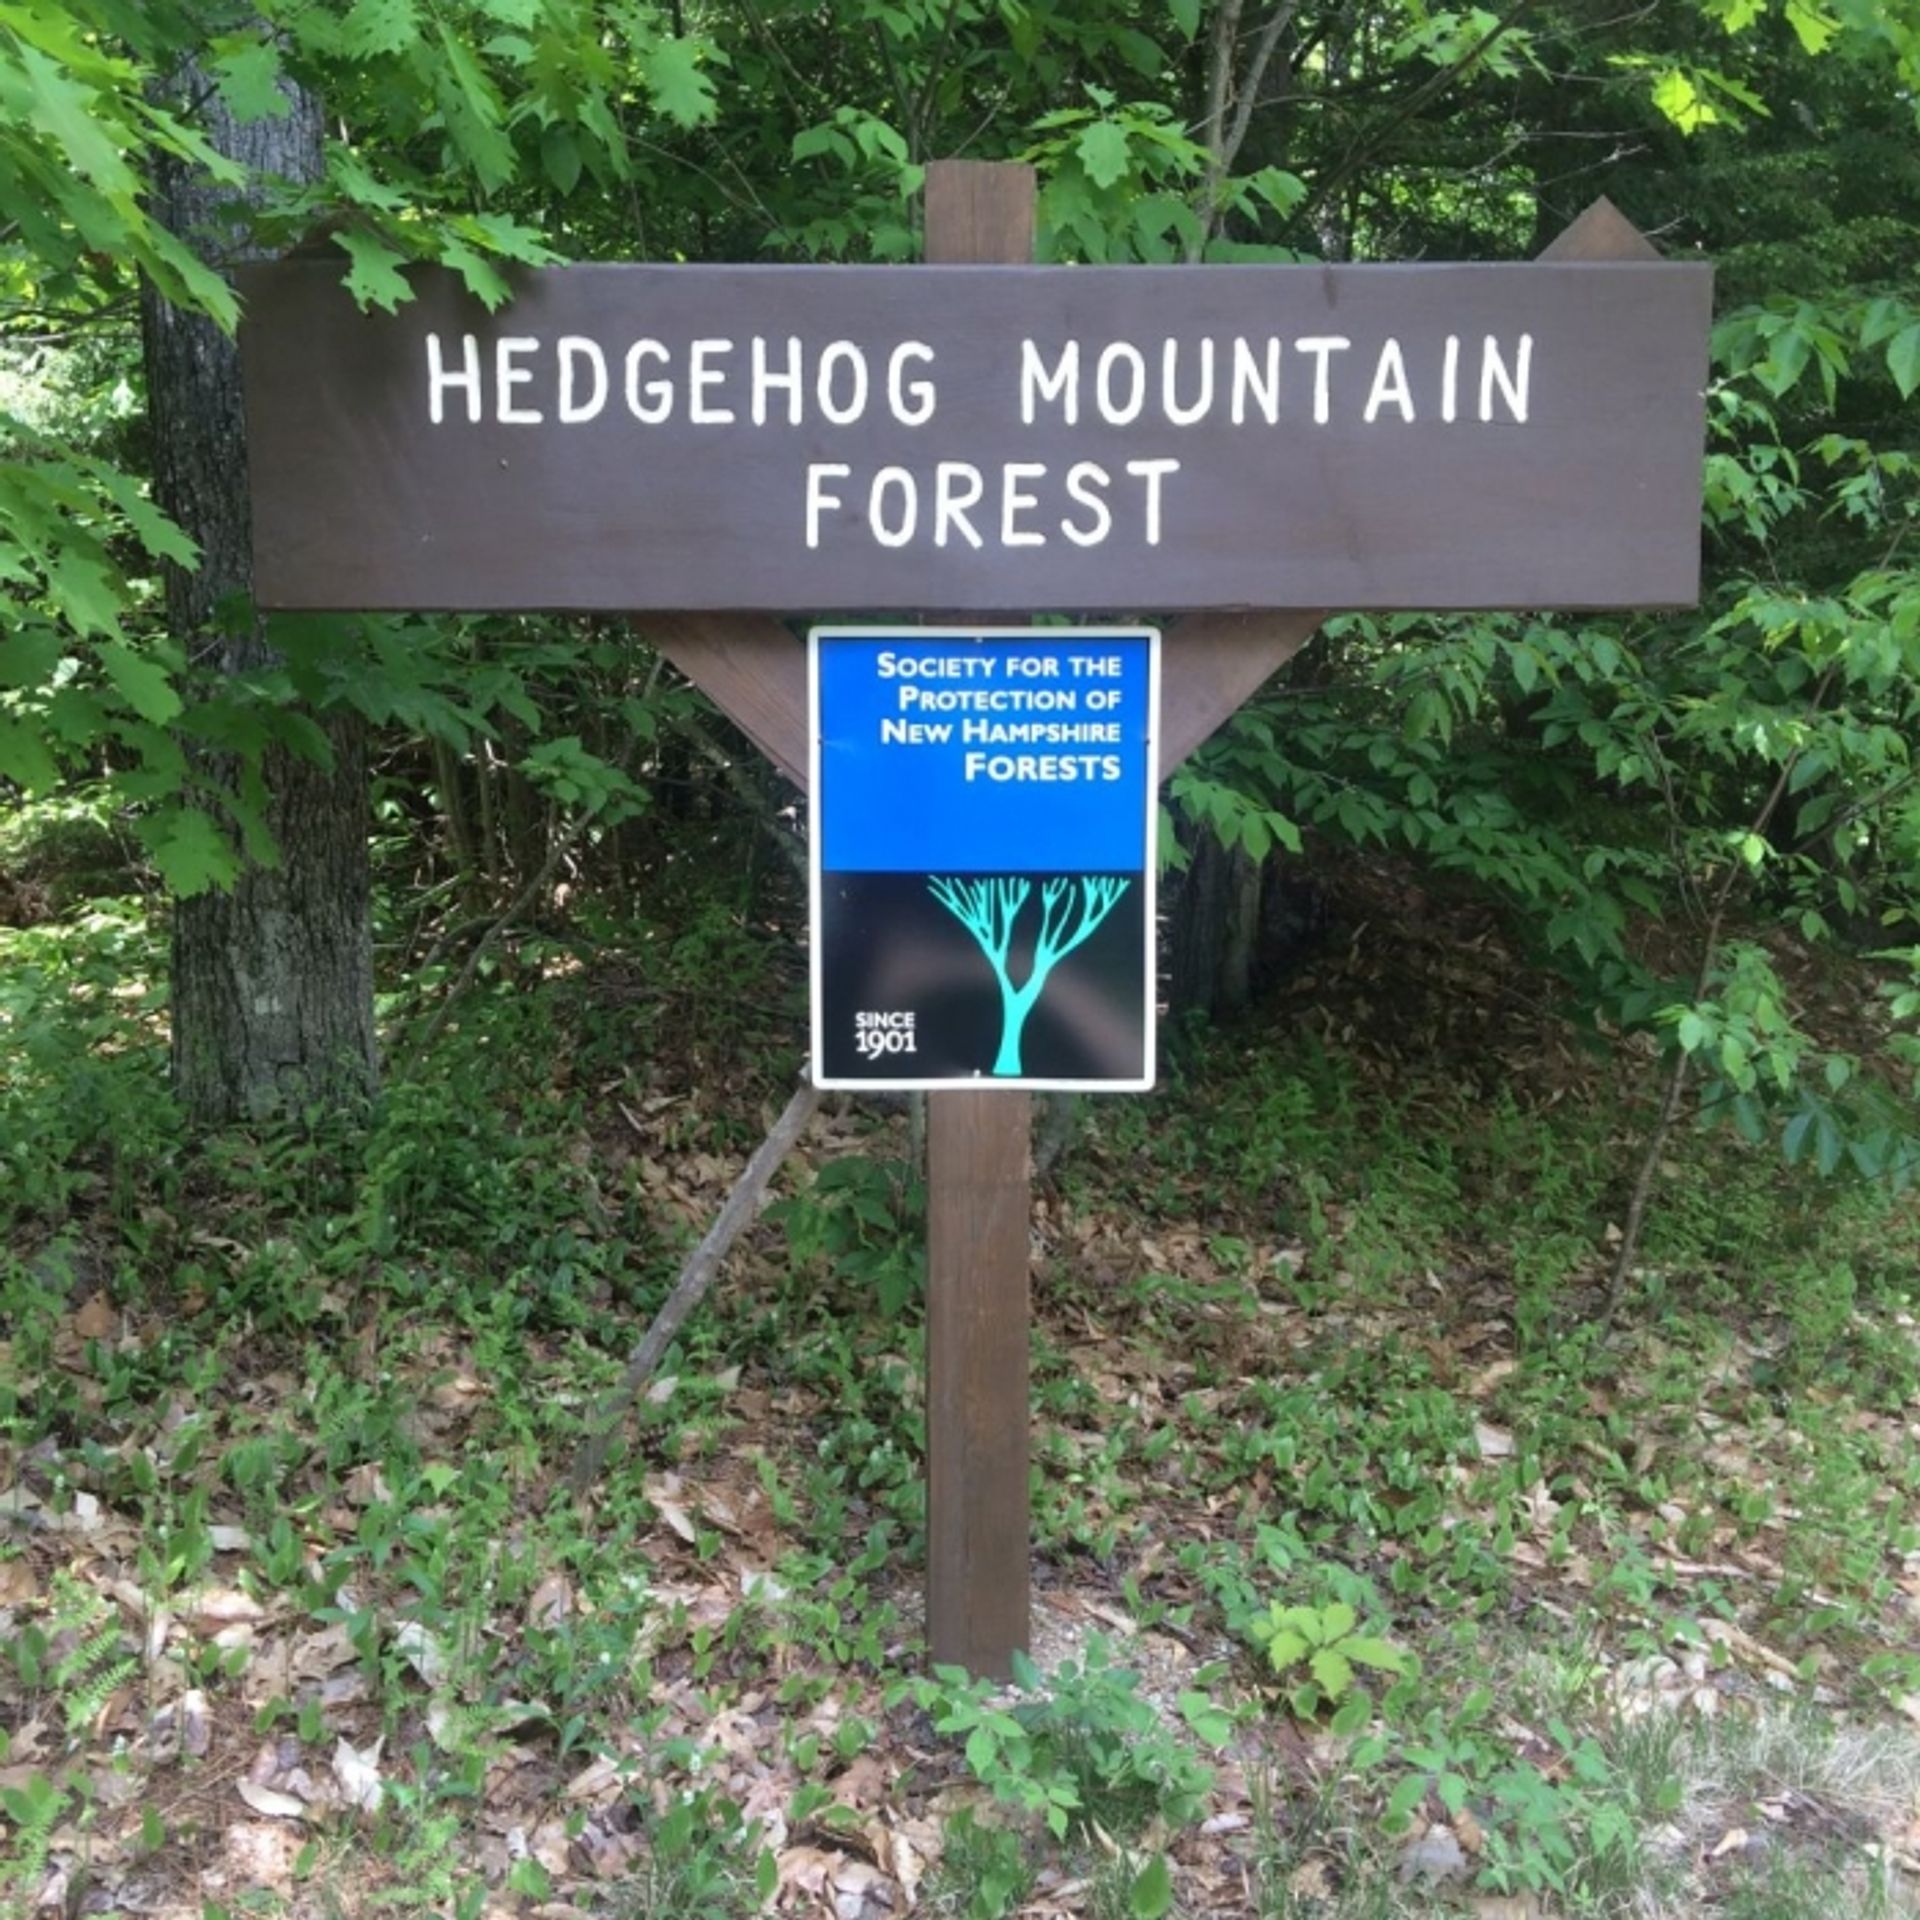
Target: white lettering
1450	380
439	379
572	349
950	505
507	376
658	392
1153	472
1062	385
1261	382
899	534
1390	385
1513	385
1119	354
901	391
842	353
700	377
819	500
1178	415
1081	476
1013	502
765	380
1321	346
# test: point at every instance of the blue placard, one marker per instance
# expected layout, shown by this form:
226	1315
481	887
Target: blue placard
982	814
991	754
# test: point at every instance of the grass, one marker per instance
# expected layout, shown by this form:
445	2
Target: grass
284	1420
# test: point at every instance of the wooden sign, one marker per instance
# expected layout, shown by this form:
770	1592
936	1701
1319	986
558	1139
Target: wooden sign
627	438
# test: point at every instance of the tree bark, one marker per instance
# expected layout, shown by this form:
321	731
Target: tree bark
273	981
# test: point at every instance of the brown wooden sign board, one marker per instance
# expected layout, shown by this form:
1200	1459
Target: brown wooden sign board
355	507
981	438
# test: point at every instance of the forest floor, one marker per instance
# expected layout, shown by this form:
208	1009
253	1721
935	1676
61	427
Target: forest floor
1374	1573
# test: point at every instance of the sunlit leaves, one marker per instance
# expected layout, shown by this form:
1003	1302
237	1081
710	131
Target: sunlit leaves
1903	360
1102	152
247	69
678	81
374	27
375	278
189	850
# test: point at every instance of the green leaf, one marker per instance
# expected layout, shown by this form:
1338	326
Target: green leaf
64	112
1676	96
678	84
29	655
144	684
1402	1801
191	852
1151	1895
1903	359
1816	29
1212	1725
1285	1648
482	278
560	157
1352	1714
379	26
248	76
1382	1655
1186	15
473	113
1786	360
1332	1670
24	758
86	594
528	1878
376	280
1103	153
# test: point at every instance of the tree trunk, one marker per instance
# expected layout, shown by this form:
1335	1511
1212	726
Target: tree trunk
273	982
1213	918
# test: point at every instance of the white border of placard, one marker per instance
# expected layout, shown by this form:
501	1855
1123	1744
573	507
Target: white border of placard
979	1081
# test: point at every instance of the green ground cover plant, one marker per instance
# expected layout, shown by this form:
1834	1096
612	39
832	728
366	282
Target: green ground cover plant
1377	1574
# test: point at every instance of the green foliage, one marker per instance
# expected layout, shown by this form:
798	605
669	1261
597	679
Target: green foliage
1079	1746
986	1869
860	1220
1316	1653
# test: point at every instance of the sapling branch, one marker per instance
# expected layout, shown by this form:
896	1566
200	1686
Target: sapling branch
690	1288
1682	1069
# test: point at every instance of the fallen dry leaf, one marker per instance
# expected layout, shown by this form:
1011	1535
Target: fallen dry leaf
96	1320
271	1801
421	1651
551	1601
358	1772
254	1856
663	1496
216	1607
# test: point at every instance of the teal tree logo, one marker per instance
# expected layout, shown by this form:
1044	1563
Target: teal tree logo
1071	911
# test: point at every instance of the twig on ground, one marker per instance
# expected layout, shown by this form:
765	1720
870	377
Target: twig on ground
702	1266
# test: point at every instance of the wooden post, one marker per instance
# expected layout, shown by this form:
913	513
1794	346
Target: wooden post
979	1198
